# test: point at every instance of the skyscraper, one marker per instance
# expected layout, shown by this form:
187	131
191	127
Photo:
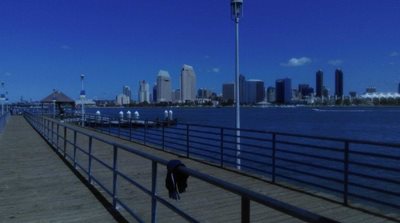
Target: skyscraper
188	83
126	90
228	91
398	90
339	83
144	92
283	88
271	94
155	93
255	91
164	89
319	85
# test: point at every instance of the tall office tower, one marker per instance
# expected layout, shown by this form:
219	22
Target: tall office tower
203	93
188	83
155	93
228	91
255	91
176	96
126	90
283	91
319	85
163	86
339	83
398	90
305	90
271	94
144	92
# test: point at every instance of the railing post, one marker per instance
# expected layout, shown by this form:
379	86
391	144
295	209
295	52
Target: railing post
52	132
273	157
245	210
119	128
187	141
65	141
154	192
90	160
130	129
58	136
74	158
145	132
346	174
222	148
115	168
109	125
163	137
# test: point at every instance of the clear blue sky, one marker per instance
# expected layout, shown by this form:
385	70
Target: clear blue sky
47	44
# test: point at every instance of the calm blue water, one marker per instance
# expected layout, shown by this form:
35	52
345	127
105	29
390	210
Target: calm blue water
299	164
371	123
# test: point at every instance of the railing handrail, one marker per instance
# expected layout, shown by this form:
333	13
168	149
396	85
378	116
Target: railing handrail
335	139
247	195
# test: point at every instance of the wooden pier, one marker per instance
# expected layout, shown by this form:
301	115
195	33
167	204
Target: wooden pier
36	185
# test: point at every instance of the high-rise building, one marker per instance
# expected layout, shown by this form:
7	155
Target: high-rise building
339	83
203	93
163	86
255	91
176	96
228	91
319	85
283	91
188	83
144	92
126	90
271	94
398	90
305	90
155	93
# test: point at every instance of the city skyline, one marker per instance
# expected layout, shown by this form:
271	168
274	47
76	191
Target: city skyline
46	45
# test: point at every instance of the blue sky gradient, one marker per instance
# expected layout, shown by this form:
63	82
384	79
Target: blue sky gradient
47	44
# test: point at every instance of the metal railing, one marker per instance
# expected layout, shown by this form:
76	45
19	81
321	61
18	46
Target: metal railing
62	136
3	121
354	171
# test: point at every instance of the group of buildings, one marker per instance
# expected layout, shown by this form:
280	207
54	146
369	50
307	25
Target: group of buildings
254	92
251	91
162	91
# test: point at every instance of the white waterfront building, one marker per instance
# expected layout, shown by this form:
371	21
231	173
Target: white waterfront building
144	92
163	86
188	84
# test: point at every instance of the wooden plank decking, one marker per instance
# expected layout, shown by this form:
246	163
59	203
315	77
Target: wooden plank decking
37	186
203	201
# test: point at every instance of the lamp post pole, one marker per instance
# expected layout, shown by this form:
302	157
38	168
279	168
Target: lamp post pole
236	9
82	97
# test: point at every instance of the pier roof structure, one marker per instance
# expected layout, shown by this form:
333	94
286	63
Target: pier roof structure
59	98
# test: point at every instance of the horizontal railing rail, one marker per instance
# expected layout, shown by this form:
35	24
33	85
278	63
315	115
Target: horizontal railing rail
63	136
342	167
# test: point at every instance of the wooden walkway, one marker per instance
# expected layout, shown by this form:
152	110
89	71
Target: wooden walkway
202	201
37	186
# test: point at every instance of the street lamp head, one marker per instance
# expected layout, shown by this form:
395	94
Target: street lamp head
236	8
82	76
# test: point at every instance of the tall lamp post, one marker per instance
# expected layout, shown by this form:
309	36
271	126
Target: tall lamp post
2	97
236	10
82	97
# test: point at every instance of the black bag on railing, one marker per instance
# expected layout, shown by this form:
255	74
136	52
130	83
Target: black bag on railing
175	181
